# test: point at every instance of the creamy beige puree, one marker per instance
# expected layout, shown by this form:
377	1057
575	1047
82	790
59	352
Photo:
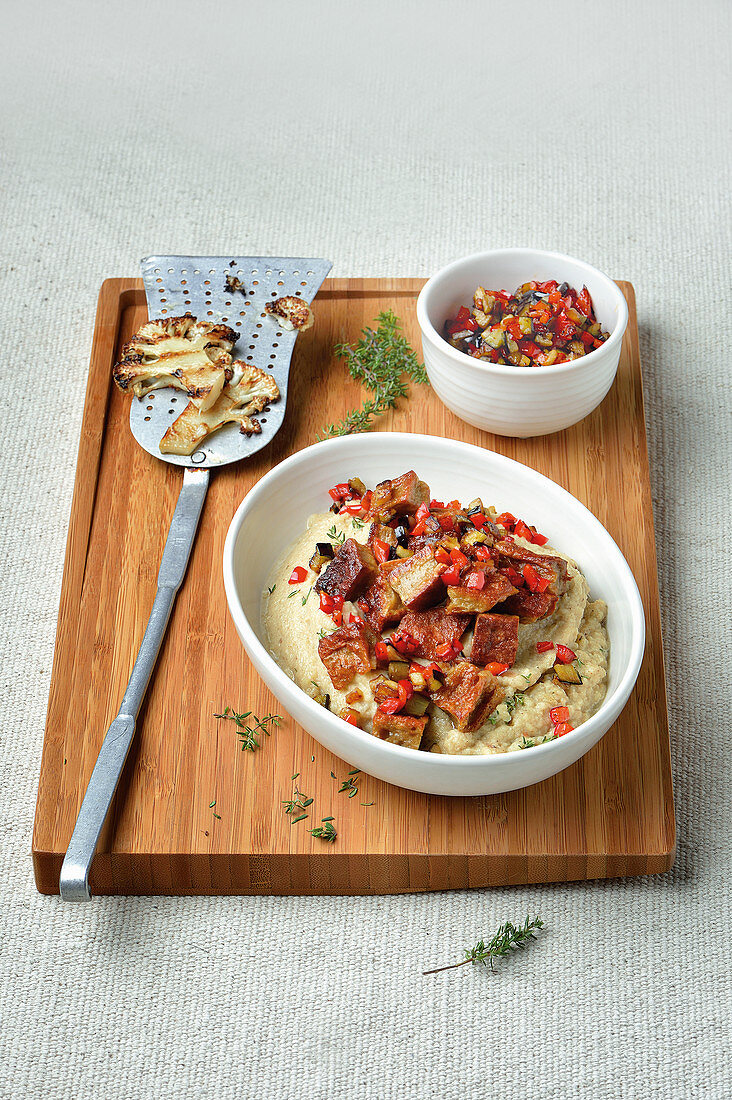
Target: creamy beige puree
294	622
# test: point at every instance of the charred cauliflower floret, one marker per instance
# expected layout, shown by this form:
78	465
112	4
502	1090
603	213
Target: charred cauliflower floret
291	313
190	355
250	391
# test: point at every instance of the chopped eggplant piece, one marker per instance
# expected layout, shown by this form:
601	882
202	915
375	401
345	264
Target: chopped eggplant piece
356	486
416	706
474	506
318	695
382	688
402	535
567	674
402	552
418	681
351	571
474	537
322	555
398	670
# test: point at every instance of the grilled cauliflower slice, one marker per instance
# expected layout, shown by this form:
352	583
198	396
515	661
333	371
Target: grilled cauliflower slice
292	313
249	392
190	355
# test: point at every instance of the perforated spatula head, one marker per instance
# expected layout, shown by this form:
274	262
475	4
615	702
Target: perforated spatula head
175	285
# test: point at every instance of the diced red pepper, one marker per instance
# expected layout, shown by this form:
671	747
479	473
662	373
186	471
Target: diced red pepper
451	576
381	550
496	668
565	655
298	575
565	328
459	558
534	580
339	492
403	642
406	690
476	580
462	314
326	602
420	519
528	347
515	578
506	520
472	324
381	652
391	705
587	338
479	520
539	540
366	500
353	507
351	717
559	714
584	302
435	505
544	647
561	728
554	297
482	553
447	651
442	555
522	530
446	522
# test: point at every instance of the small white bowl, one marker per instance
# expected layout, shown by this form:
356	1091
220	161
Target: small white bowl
273	515
518	401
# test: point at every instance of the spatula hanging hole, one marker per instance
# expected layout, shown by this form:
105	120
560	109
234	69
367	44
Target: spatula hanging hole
198	456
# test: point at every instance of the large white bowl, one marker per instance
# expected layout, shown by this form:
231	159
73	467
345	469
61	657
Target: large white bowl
518	401
273	515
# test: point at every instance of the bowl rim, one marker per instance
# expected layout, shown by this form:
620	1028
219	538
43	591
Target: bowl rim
608	708
502	369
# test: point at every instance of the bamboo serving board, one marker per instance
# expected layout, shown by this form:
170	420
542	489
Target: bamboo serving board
610	814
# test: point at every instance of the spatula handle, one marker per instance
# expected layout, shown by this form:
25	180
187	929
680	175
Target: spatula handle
74	884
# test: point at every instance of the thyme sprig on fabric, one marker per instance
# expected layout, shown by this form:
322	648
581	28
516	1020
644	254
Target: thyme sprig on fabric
507	939
380	360
248	734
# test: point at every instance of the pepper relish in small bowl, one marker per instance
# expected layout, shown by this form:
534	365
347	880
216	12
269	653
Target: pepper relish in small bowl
540	324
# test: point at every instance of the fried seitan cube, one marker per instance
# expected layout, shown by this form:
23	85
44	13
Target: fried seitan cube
495	639
553	568
469	695
399	496
433	628
380	604
416	580
530	606
352	570
495	588
347	651
383	533
399	729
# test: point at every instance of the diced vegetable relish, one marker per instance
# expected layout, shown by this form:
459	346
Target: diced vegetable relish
539	324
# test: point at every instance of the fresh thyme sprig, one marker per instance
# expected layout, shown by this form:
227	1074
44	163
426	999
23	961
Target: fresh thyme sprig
326	831
380	360
297	803
506	940
335	535
248	734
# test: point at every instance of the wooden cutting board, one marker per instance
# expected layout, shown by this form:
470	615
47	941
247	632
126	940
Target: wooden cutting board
610	814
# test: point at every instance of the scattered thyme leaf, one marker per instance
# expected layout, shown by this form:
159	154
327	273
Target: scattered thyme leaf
306	598
296	819
379	361
506	940
348	785
336	536
271	590
248	734
355	771
368	803
325	832
217	815
212	804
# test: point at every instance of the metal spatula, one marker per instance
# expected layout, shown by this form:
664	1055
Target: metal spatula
175	285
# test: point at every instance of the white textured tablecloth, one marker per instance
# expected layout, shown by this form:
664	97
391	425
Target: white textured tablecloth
390	138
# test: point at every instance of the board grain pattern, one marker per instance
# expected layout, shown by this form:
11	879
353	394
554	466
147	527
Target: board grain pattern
610	814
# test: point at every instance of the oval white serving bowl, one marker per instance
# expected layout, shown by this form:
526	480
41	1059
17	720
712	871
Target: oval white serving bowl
274	514
518	401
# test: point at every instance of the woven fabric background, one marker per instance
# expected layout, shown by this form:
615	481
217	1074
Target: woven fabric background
391	138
